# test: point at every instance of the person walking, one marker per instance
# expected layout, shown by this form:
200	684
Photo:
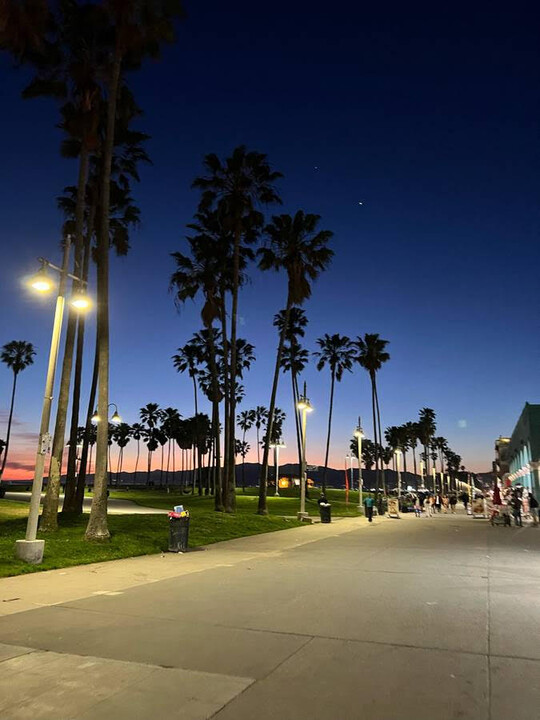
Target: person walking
417	507
516	510
369	502
453	503
446	504
428	506
438	503
533	505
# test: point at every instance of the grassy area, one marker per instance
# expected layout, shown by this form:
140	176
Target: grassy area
287	504
131	535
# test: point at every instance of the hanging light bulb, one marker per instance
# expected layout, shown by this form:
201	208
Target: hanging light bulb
95	418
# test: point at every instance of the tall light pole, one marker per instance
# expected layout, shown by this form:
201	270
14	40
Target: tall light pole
434	476
30	549
397	453
276	446
422	474
305	407
359	434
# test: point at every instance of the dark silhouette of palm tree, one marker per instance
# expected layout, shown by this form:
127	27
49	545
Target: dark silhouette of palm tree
17	355
338	353
236	188
137	431
297	247
260	419
151	416
426	430
371	356
187	360
246	420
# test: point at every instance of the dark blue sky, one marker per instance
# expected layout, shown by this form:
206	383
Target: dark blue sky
426	115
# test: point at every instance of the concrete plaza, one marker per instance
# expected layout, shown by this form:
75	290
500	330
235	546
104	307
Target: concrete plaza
411	619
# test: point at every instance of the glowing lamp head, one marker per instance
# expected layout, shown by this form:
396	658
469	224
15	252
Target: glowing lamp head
116	419
80	301
41	282
95	418
359	433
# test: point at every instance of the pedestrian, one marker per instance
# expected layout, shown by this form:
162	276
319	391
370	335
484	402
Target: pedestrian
515	503
417	507
446	504
368	505
453	503
438	503
428	509
533	505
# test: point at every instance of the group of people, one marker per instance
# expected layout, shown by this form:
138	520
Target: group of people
429	504
515	503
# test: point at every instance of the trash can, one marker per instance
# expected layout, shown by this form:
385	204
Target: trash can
178	533
325	510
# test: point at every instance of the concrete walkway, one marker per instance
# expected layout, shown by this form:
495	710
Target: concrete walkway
416	619
116	506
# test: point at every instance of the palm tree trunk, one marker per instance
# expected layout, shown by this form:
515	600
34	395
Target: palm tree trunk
332	383
377	481
379	429
97	524
149	468
226	391
10	419
137	460
161	468
244	463
262	509
299	439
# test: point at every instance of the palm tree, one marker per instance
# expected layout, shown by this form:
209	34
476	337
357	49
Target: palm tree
371	356
137	431
171	416
426	430
296	246
294	359
338	353
260	419
412	435
236	188
17	355
245	421
151	416
136	30
187	360
122	436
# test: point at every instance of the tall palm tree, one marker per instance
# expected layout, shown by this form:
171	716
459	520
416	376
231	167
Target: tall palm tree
137	431
171	416
371	356
294	359
245	421
187	359
136	30
411	428
17	355
236	188
122	436
338	353
297	247
260	419
426	430
151	416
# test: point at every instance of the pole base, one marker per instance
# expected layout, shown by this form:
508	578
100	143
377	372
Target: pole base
30	551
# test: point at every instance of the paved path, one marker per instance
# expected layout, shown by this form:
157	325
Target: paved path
416	619
116	506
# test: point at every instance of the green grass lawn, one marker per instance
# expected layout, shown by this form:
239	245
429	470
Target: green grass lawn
287	504
130	534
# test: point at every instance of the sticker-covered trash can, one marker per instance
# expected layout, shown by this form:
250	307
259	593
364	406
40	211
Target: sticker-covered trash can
325	509
178	529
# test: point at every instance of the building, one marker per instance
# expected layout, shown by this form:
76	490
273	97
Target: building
501	464
523	450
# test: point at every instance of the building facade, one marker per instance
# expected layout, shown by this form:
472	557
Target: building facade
523	450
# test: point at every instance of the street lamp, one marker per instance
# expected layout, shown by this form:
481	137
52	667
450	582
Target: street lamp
359	434
276	446
30	549
115	418
422	474
434	476
397	453
304	406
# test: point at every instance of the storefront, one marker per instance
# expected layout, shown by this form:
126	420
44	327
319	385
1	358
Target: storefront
523	450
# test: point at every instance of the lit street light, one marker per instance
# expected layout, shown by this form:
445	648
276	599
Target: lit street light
276	446
30	549
305	407
359	434
115	418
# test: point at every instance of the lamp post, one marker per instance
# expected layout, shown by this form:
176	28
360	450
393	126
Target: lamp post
397	453
276	446
305	407
359	434
422	479
30	549
434	477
